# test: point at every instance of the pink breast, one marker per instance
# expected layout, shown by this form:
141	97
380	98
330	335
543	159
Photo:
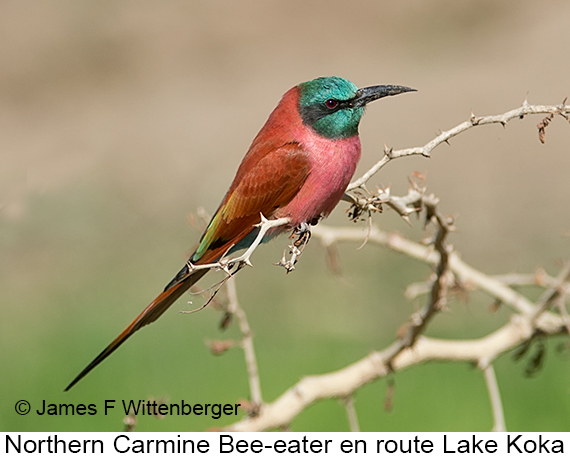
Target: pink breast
333	163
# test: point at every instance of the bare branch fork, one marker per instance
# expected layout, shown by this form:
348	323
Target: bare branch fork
344	382
230	266
400	355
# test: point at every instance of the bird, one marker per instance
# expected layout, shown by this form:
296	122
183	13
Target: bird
296	169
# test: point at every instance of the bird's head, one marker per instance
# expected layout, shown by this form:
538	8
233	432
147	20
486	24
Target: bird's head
333	106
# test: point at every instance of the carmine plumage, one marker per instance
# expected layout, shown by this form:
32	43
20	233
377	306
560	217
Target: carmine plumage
297	167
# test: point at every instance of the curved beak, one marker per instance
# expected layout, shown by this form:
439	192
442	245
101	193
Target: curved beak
369	94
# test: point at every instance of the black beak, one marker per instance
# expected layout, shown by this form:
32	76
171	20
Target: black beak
369	94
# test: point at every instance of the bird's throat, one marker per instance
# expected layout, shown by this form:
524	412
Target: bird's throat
340	125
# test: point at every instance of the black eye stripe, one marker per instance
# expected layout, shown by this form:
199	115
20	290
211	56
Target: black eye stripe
312	113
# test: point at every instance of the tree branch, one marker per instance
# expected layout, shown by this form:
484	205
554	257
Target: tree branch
246	344
413	348
474	121
450	271
351	414
494	396
344	382
465	273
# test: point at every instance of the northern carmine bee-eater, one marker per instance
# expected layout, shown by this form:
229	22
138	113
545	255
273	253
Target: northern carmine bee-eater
298	167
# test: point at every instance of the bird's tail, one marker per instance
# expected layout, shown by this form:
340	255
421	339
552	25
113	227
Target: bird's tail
174	290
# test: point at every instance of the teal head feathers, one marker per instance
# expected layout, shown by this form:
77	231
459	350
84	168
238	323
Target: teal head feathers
333	106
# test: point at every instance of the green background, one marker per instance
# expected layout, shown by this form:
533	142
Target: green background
120	119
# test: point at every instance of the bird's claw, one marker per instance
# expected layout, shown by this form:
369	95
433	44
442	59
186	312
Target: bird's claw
303	233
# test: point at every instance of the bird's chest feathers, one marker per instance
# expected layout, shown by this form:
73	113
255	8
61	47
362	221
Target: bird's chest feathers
333	163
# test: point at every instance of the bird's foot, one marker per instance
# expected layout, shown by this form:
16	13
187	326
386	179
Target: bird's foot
303	233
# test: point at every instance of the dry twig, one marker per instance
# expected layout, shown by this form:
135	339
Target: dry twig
246	344
474	121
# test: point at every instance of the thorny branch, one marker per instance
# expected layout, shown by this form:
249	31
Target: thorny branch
483	351
225	264
389	154
548	316
230	266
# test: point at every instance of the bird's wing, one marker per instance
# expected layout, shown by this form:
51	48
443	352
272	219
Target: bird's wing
261	186
266	185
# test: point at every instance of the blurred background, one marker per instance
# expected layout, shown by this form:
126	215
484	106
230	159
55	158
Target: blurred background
119	119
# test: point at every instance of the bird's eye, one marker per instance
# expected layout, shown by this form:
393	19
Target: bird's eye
331	104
